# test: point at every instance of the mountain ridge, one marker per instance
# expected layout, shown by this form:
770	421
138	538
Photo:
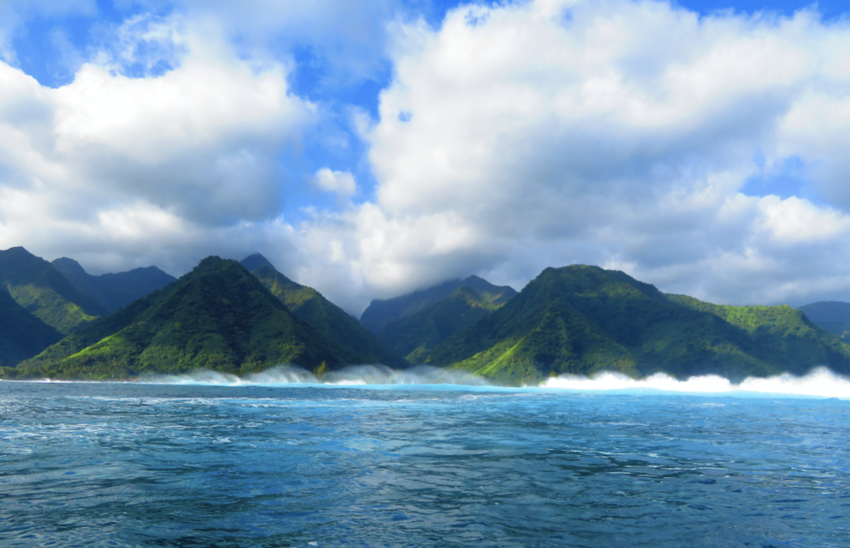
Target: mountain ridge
832	316
583	319
311	306
217	317
414	335
577	320
44	292
113	290
382	311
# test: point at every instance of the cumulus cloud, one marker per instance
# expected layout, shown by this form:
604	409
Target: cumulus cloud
512	137
618	133
113	161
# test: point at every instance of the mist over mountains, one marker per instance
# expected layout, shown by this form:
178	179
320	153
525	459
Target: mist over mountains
245	317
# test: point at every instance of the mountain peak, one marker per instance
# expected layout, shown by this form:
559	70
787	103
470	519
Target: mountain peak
310	306
582	319
43	291
18	257
254	261
381	312
113	291
18	251
218	317
68	266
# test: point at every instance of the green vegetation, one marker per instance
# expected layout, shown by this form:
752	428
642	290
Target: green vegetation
310	306
217	317
415	335
40	289
583	319
381	312
113	291
572	320
832	316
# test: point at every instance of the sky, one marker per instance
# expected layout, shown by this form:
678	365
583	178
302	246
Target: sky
372	148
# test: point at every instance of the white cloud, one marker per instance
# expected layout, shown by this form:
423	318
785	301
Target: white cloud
514	137
174	159
339	182
795	221
539	133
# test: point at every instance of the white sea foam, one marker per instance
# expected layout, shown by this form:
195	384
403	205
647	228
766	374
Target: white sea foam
420	374
821	382
358	375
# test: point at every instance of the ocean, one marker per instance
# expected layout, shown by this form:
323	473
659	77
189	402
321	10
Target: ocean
213	462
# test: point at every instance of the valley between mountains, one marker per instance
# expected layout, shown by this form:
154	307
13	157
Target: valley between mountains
59	322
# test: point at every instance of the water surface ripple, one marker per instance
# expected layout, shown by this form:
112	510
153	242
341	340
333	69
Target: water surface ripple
199	466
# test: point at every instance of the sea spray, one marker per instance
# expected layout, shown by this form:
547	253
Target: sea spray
820	382
420	374
372	375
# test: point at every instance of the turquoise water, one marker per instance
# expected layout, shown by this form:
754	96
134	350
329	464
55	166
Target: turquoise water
194	466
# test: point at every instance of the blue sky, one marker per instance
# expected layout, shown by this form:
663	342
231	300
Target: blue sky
373	148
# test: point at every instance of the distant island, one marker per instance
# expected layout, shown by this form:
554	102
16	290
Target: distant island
59	322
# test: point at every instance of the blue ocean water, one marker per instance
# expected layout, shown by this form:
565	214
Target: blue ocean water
100	464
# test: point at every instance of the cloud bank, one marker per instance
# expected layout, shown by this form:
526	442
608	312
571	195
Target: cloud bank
615	133
703	154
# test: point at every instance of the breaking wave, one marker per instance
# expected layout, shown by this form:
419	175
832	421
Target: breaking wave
358	375
820	382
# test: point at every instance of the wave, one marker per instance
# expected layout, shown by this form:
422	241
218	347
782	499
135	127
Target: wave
359	375
820	382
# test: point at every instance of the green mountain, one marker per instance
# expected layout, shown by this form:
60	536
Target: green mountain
583	319
381	312
22	335
217	317
113	291
310	306
45	293
832	316
414	336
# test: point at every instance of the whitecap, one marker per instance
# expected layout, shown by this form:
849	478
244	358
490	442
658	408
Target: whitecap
820	382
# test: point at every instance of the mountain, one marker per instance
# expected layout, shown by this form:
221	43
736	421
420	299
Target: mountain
310	306
381	312
217	317
22	335
583	319
113	291
415	335
832	316
44	292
